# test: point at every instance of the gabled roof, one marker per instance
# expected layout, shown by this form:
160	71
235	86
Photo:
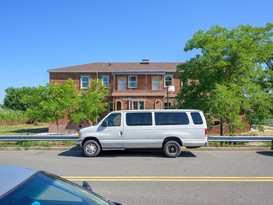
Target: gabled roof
118	67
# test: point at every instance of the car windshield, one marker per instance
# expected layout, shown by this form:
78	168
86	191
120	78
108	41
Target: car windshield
48	189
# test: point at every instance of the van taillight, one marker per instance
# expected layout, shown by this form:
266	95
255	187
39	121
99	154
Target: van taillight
206	132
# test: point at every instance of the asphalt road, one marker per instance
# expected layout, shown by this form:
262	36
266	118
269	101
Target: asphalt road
148	178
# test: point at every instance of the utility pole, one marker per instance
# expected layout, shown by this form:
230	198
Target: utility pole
168	106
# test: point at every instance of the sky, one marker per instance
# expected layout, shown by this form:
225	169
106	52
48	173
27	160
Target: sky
38	35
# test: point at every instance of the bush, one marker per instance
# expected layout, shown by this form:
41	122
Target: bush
11	117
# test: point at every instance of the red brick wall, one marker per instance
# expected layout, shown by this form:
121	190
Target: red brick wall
152	98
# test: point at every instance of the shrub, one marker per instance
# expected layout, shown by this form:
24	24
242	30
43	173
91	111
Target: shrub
11	117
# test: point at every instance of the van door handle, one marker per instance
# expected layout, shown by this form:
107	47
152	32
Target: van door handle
120	133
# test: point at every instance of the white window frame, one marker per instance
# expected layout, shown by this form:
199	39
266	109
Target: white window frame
155	85
121	84
166	76
85	87
129	82
107	83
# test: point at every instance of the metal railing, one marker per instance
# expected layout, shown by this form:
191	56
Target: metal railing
66	137
49	137
240	138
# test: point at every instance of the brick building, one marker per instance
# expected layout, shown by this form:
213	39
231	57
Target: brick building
132	86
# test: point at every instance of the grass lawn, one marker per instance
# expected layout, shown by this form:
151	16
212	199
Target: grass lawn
30	129
24	129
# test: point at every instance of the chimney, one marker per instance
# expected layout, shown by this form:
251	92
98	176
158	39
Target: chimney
144	61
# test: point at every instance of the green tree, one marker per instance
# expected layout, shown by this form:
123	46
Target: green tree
13	98
222	101
53	102
91	104
239	60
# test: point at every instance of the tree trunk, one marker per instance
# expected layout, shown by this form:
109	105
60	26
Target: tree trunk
57	123
221	127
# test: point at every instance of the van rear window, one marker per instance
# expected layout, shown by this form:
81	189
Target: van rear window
139	119
196	118
171	118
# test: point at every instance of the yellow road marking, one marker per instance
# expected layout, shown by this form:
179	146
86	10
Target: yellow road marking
170	178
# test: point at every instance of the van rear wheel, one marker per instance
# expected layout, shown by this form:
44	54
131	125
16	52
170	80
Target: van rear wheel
91	148
172	149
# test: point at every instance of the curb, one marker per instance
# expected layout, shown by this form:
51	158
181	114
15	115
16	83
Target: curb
232	149
75	148
38	148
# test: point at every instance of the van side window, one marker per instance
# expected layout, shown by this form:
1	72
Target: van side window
196	118
171	118
113	120
139	119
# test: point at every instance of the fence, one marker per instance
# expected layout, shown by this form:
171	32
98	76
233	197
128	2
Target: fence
48	137
240	138
52	137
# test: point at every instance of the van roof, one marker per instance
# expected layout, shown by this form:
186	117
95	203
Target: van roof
159	110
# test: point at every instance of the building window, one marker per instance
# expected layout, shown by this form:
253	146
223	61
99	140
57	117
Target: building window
167	106
155	83
105	81
138	105
110	107
122	83
168	80
132	82
85	82
118	105
158	104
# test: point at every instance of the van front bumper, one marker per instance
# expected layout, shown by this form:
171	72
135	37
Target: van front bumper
79	143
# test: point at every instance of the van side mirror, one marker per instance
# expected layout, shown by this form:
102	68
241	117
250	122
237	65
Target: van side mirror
104	124
86	185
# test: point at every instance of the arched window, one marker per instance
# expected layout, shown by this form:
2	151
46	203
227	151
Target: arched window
118	104
158	104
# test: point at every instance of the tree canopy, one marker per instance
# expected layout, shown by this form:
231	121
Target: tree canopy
231	76
56	101
13	98
53	101
91	103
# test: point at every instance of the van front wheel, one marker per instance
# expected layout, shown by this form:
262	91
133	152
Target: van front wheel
172	149
91	148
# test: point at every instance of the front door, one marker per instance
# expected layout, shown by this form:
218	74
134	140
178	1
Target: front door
111	132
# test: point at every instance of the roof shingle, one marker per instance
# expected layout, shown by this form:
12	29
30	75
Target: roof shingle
117	67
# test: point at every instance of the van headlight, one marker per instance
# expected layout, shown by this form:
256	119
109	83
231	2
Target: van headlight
79	135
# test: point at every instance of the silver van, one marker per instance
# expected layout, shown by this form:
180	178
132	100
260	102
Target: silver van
134	129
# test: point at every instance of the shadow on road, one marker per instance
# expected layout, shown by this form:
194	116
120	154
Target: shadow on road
125	153
73	152
266	153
